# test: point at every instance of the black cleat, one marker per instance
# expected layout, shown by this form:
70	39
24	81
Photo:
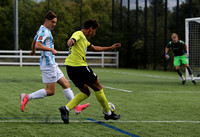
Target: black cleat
64	114
112	116
193	81
183	82
198	75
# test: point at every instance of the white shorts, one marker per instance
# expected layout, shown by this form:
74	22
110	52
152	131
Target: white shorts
51	74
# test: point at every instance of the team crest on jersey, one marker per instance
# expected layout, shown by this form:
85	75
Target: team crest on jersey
40	38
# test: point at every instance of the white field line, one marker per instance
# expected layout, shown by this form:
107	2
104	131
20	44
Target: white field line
189	92
152	76
88	121
124	90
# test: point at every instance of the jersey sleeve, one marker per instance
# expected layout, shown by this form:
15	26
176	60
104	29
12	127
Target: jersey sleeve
41	36
182	42
88	44
169	45
76	36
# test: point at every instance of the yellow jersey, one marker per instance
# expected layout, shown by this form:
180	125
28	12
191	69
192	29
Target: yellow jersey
78	51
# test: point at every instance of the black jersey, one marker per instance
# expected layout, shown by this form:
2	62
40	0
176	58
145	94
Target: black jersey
178	48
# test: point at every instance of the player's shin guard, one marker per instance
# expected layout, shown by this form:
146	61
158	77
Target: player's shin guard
102	100
76	100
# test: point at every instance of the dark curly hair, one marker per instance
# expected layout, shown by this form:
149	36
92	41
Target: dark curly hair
90	23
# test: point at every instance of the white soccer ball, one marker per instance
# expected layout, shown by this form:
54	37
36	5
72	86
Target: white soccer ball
112	107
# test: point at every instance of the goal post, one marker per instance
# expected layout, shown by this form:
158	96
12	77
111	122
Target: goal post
192	39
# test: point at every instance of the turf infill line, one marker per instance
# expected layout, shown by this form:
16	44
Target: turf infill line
124	90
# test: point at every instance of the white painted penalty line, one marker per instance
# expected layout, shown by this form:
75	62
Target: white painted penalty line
124	90
88	121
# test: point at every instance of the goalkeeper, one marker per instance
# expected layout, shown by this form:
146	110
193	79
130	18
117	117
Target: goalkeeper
180	56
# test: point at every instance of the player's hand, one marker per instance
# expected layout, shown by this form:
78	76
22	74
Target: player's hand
54	52
32	53
117	45
70	42
166	56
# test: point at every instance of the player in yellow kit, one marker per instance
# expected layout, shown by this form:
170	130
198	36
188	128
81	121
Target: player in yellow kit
81	75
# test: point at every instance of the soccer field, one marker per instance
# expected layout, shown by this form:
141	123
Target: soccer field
151	104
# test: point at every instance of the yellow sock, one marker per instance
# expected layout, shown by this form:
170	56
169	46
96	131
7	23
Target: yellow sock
102	100
76	100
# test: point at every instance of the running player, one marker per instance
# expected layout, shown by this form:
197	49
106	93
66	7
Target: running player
51	74
180	56
82	75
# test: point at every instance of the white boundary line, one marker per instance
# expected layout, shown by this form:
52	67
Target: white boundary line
117	89
189	92
88	121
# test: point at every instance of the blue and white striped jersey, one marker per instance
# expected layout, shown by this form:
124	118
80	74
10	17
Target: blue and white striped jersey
44	35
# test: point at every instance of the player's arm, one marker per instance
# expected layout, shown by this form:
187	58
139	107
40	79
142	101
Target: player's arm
40	46
166	53
187	54
98	48
71	42
33	49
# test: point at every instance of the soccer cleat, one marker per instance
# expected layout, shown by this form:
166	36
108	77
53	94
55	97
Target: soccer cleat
64	114
112	116
193	81
24	101
183	82
80	108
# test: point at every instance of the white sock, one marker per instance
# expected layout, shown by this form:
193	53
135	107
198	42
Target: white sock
109	113
183	78
68	93
66	107
192	77
37	94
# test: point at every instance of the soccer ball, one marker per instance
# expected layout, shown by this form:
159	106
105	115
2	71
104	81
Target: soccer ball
112	107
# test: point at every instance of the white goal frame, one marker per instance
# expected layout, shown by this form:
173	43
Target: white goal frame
187	41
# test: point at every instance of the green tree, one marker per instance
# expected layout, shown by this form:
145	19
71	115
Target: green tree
6	25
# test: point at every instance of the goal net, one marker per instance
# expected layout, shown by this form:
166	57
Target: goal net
192	39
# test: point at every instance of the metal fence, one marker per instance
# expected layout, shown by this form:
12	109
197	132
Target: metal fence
23	58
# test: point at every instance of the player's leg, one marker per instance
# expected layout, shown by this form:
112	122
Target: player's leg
41	93
177	64
49	77
64	83
103	101
180	74
70	95
76	75
191	73
64	110
185	62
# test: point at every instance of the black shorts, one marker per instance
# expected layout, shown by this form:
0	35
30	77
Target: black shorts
81	75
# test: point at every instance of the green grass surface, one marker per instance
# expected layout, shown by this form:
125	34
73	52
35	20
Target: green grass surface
158	106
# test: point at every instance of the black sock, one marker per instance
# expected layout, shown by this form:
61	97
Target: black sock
189	70
179	72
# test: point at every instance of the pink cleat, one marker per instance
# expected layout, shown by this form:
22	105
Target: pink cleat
79	108
24	101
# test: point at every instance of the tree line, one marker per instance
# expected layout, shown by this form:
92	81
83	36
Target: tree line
116	25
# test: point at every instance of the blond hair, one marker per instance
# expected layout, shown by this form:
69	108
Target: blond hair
174	35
